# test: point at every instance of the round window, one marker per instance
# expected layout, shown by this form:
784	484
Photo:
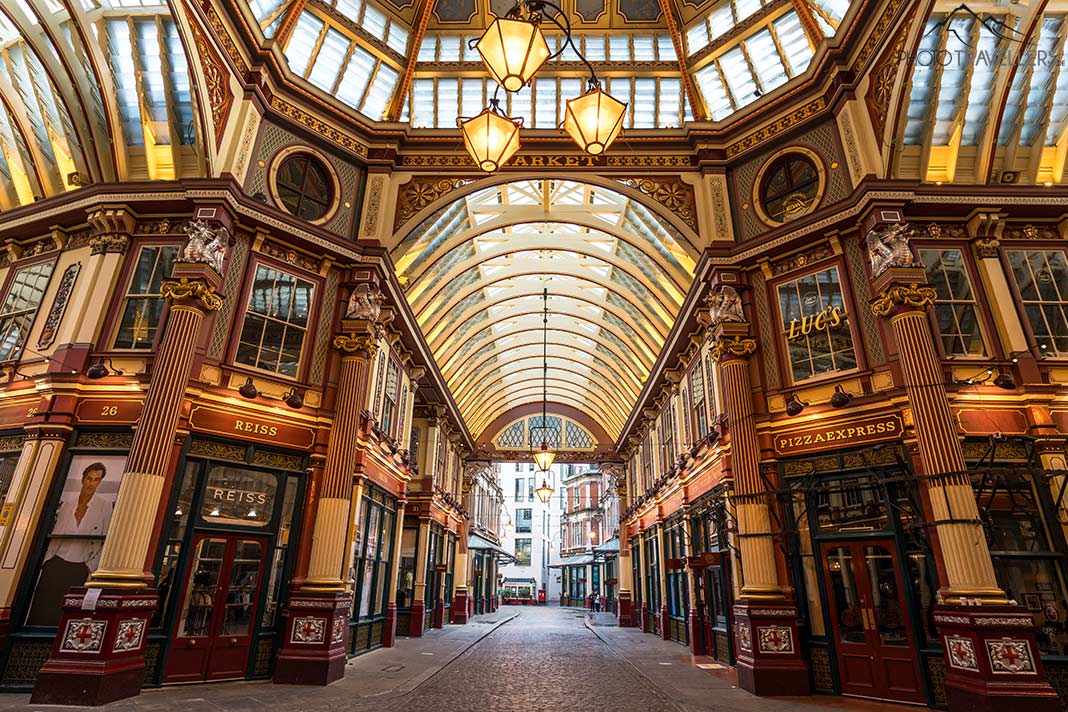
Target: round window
304	187
790	187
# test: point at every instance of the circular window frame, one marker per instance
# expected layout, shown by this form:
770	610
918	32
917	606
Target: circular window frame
335	183
757	199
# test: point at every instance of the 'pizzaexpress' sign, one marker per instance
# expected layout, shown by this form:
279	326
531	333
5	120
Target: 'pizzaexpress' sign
840	435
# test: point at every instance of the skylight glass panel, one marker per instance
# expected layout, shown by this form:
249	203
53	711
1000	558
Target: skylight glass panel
569	54
428	50
739	78
357	75
766	60
398	38
519	106
545	96
1058	114
471	99
697	37
834	9
124	78
744	9
155	93
374	21
328	62
595	48
988	58
954	74
262	9
422	115
721	20
794	43
922	89
1011	113
713	91
448	48
449	100
668	102
180	88
350	9
665	49
300	48
644	103
619	48
1038	97
644	48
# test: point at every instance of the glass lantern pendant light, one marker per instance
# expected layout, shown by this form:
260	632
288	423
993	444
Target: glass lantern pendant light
491	137
514	49
544	456
594	119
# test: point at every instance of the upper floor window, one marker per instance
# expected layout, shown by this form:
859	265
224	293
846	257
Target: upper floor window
20	305
522	552
815	325
276	323
697	389
1042	278
524	520
389	398
790	187
955	309
142	307
304	186
519	483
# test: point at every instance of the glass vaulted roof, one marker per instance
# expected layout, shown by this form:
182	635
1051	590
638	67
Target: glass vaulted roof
616	275
726	55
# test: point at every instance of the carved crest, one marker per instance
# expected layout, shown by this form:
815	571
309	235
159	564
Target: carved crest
724	305
889	247
365	303
206	245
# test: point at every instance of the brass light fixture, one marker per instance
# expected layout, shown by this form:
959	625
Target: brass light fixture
513	49
795	405
544	456
545	492
491	137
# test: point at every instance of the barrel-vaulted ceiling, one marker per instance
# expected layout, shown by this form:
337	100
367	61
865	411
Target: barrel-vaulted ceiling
90	91
616	273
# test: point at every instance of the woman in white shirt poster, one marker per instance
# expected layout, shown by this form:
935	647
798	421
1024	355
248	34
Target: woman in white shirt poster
77	535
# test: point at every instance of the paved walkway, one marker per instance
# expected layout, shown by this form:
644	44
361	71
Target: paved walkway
520	659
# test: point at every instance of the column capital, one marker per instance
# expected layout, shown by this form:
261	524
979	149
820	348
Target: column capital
356	344
901	298
725	348
192	290
110	228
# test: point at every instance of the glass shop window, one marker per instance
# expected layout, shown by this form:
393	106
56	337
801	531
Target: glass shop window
278	557
20	305
372	554
652	571
955	309
678	593
276	324
8	461
173	552
406	574
1027	568
1042	278
815	325
142	307
522	552
237	497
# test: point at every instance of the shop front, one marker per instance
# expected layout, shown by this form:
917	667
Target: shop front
711	567
373	551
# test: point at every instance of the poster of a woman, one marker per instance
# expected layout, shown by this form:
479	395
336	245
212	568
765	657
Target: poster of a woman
77	534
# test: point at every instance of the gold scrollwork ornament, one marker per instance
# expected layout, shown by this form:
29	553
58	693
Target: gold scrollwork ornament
737	347
912	296
195	289
351	343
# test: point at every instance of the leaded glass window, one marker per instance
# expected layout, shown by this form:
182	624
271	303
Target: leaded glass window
1042	278
576	438
20	306
142	308
955	309
815	325
276	324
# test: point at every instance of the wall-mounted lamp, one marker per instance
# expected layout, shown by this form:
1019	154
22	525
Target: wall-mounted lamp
999	378
794	406
249	390
841	397
294	399
99	370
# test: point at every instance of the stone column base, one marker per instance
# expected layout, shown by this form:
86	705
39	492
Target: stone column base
644	613
389	632
992	660
458	613
418	614
768	655
99	652
437	618
494	603
665	623
316	639
696	629
626	610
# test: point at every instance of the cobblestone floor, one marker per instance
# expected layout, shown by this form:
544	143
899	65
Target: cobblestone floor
520	659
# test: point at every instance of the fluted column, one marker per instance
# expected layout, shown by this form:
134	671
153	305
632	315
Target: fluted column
122	560
731	350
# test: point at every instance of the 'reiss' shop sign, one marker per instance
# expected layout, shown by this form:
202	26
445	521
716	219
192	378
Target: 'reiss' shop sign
816	437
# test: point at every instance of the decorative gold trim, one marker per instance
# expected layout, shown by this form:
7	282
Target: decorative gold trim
351	343
779	125
196	289
737	347
910	296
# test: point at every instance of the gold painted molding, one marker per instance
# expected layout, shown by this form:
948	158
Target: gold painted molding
196	289
910	296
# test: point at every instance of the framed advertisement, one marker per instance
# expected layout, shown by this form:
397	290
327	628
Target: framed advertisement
76	532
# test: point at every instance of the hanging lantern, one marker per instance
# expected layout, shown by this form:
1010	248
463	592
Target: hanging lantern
544	457
513	50
545	491
594	120
491	138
